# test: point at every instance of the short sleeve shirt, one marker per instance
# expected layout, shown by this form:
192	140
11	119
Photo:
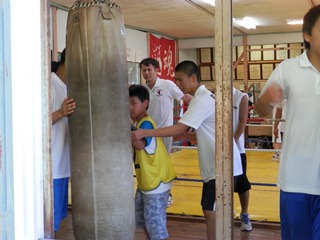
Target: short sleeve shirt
299	169
161	102
201	116
60	132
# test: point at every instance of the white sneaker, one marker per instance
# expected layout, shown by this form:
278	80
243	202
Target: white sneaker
245	223
276	157
170	201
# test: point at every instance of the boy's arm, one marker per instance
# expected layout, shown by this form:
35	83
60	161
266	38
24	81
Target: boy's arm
67	107
138	144
186	98
269	99
278	115
243	117
170	131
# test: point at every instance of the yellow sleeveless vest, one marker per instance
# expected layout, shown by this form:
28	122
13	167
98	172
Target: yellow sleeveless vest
152	169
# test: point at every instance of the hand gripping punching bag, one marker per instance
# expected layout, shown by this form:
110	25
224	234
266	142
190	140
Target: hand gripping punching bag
101	157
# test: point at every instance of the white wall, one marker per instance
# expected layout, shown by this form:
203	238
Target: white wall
137	45
188	54
62	17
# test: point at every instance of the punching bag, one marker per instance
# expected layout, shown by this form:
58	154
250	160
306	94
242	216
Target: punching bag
101	158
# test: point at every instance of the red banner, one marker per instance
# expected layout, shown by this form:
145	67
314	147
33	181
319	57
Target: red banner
164	50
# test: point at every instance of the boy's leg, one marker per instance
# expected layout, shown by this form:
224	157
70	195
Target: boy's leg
60	201
210	217
295	216
139	209
140	223
208	202
242	187
155	216
316	217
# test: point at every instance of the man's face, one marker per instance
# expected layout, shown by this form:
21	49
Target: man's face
183	82
314	38
149	73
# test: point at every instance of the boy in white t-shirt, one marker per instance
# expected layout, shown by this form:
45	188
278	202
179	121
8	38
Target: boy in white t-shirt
62	107
298	80
201	117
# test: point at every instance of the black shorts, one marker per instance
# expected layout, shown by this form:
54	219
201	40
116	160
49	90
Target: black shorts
282	136
208	199
242	184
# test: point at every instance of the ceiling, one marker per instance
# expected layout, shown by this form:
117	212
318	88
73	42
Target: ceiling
182	19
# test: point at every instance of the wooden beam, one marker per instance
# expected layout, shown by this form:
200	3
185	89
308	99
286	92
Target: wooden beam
54	34
245	63
235	65
224	135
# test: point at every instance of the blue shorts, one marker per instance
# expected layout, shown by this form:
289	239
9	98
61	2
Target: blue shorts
299	216
60	201
151	213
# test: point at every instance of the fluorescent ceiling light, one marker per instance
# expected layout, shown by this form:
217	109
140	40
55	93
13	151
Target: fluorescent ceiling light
212	2
245	22
295	21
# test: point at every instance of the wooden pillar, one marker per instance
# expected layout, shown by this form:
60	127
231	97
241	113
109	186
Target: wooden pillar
245	63
47	121
224	135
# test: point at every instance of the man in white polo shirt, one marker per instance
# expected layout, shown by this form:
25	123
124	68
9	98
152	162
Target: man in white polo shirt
162	93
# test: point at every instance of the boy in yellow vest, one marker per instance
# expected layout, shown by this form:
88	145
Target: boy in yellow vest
153	169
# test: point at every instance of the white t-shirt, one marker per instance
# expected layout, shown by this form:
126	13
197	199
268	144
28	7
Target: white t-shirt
60	132
161	105
237	97
300	157
201	116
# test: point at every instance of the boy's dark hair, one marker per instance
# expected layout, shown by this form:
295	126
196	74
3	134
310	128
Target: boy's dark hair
309	20
55	65
139	91
63	57
188	68
149	61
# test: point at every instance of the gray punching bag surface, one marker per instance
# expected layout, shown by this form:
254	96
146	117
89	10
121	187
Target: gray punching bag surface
101	157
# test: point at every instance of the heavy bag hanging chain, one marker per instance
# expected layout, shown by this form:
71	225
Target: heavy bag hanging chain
80	4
